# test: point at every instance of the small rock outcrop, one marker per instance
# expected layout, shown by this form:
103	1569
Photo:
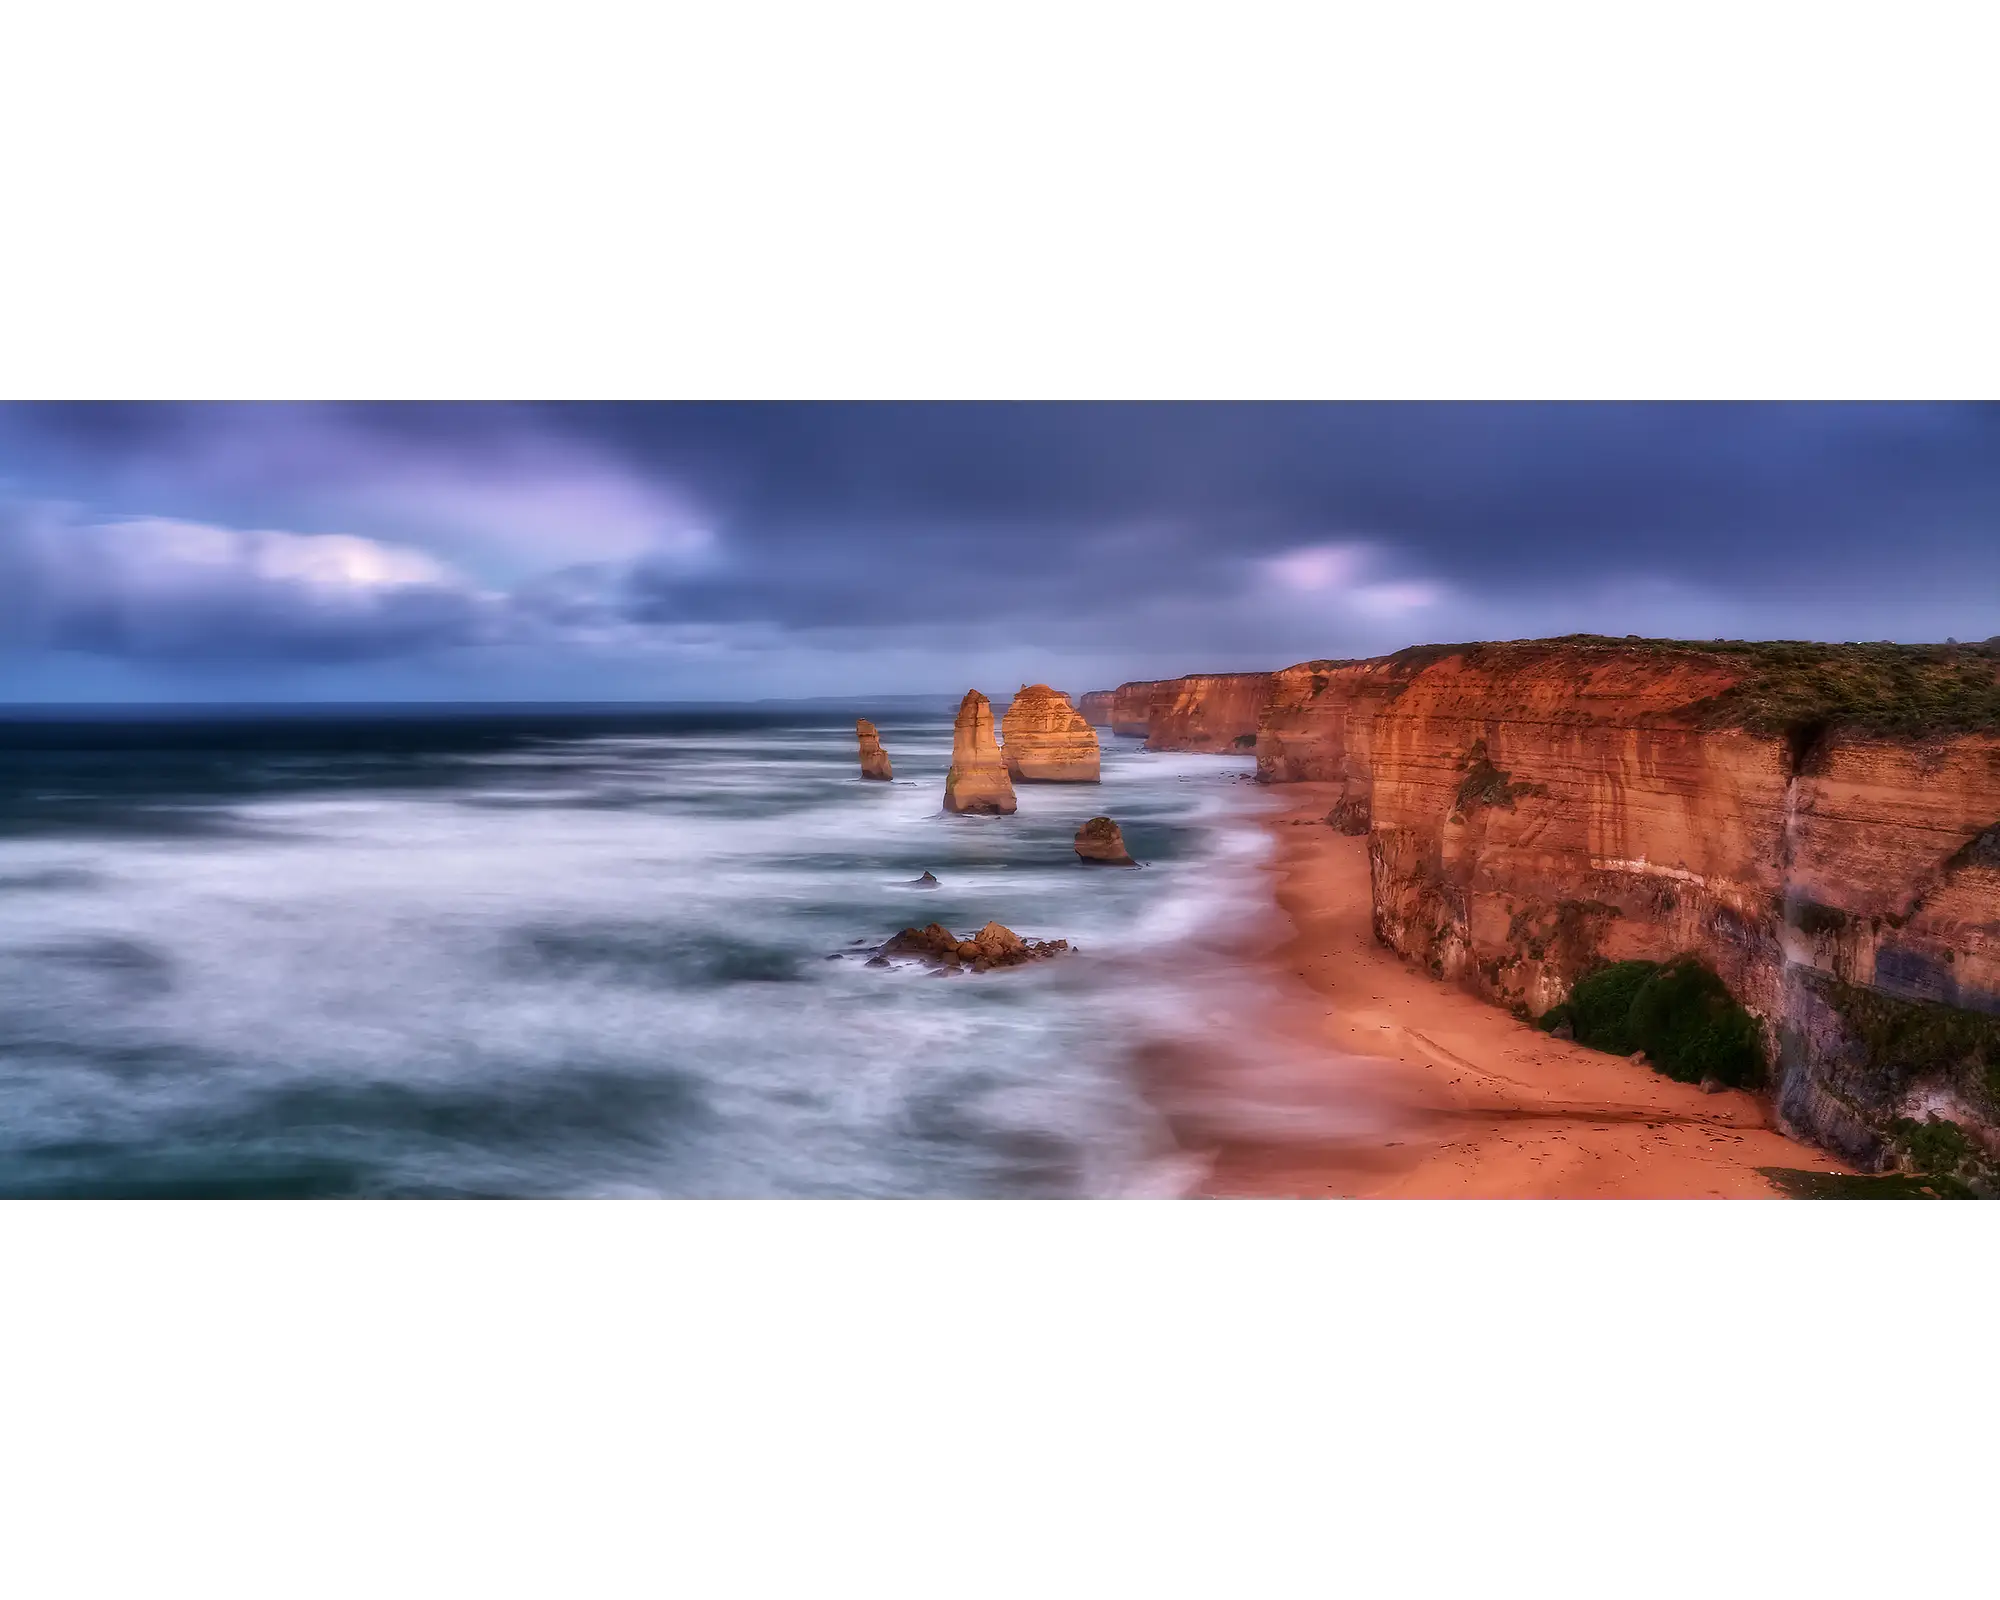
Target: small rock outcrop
977	781
1045	740
1098	842
874	759
992	946
927	881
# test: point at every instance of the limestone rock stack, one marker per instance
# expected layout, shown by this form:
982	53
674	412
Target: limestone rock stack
1099	840
978	778
874	759
1046	741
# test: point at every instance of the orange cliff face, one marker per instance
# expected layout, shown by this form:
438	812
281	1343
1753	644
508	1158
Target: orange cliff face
1537	808
1131	707
1215	712
1318	728
1044	740
1095	707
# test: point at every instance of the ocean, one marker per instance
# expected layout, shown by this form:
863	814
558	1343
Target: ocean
561	952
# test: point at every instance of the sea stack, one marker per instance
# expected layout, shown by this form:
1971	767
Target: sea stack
874	759
1046	740
978	778
1098	842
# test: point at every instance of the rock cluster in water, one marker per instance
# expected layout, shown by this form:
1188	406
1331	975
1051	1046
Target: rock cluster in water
992	946
978	780
1099	841
1046	740
874	759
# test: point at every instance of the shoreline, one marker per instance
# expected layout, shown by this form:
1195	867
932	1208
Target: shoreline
1364	1078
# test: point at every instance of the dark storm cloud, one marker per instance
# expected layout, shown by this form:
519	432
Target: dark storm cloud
1159	536
162	590
1474	493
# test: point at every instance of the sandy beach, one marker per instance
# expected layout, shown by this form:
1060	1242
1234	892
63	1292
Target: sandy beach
1370	1079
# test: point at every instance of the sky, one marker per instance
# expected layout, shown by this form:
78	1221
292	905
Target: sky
290	552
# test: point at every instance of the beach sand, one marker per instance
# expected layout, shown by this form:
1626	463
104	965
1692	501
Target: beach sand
1367	1078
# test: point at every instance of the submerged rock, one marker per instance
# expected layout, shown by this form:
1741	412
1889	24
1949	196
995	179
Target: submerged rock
992	946
932	940
927	881
1100	843
977	781
874	759
1045	739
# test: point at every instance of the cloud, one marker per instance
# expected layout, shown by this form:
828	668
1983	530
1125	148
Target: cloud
1394	599
1148	538
1322	578
496	487
1317	567
537	500
157	588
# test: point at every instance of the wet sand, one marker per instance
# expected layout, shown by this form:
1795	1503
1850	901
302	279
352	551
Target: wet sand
1367	1078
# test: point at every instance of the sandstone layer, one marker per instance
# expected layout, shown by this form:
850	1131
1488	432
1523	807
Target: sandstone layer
1215	712
1044	740
1822	827
977	781
1095	707
874	759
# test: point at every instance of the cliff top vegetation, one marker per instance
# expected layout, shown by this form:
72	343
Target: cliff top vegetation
1787	686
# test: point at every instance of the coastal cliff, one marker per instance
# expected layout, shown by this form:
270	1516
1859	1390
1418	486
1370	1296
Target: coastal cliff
1819	824
1044	740
1131	707
1215	712
1318	727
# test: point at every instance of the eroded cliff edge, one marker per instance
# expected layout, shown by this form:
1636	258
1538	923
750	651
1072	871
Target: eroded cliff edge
1215	711
1819	824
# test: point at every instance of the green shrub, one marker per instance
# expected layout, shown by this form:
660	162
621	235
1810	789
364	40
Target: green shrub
1599	1007
1801	1184
1486	785
1935	1145
1681	1014
1691	1027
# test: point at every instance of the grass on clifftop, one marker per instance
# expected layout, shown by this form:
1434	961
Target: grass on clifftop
1794	685
1680	1013
1896	690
